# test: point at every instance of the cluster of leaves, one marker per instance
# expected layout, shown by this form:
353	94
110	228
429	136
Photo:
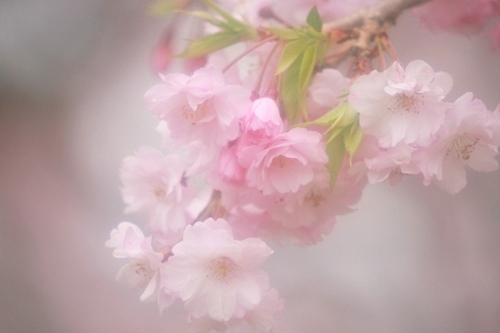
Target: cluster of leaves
232	31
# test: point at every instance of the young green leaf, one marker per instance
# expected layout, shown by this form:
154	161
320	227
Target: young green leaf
352	139
335	150
314	20
293	101
232	22
210	43
292	50
164	7
342	115
207	17
307	66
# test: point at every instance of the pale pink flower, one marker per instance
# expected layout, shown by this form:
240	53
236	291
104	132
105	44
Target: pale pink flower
401	104
303	217
201	107
327	90
262	121
391	163
466	139
153	185
216	275
230	169
128	241
260	320
285	163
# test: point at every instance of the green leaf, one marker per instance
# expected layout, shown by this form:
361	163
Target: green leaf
232	22
307	66
291	52
211	43
207	17
342	115
283	33
164	7
352	139
332	133
314	20
293	101
335	150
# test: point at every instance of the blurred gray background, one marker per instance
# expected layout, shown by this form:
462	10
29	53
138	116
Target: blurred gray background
72	77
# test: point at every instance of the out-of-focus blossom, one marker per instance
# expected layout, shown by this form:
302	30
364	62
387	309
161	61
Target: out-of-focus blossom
465	16
143	271
153	186
327	90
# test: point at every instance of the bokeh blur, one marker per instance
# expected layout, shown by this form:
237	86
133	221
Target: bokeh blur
72	77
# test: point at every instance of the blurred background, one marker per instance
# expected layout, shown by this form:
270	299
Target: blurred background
72	77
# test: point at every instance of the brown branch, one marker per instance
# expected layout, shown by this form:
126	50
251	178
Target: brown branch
387	10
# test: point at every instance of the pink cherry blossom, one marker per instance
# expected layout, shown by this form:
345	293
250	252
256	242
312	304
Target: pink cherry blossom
230	169
303	217
201	107
326	91
401	104
261	124
262	121
153	185
285	163
465	139
128	241
216	275
391	163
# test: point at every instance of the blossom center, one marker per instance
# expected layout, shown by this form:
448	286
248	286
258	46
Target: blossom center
315	197
223	269
281	161
160	192
462	146
401	102
202	112
143	268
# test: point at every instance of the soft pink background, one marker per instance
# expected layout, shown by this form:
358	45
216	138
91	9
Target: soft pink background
72	76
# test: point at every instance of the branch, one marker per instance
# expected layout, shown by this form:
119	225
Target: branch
383	11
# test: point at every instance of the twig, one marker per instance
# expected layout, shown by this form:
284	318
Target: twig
383	11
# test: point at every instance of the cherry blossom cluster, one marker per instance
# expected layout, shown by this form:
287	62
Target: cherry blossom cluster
254	152
411	129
